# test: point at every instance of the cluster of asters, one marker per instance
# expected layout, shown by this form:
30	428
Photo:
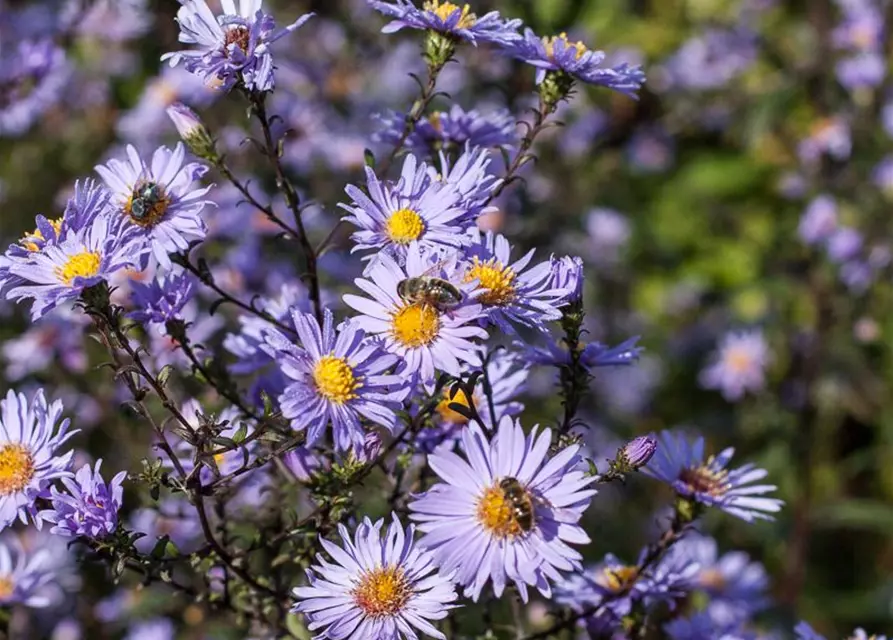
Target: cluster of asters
439	297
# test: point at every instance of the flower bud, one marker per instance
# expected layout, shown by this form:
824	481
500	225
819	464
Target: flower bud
636	453
192	131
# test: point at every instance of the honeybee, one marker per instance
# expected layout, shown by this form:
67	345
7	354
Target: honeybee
146	200
523	508
426	289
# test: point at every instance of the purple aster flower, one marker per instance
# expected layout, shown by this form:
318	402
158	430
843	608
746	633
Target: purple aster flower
54	339
449	19
506	512
451	129
163	298
337	377
414	209
58	273
680	463
159	200
618	586
650	150
90	506
425	337
154	629
173	517
469	176
232	47
508	291
844	244
558	54
32	80
712	59
88	201
739	365
805	632
568	276
882	175
737	588
829	136
376	587
819	221
595	354
31	432
507	374
609	232
24	576
864	70
247	344
700	626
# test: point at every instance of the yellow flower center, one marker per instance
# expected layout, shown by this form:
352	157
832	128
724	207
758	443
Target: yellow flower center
497	514
7	587
450	415
404	226
27	240
549	44
16	468
382	592
444	10
738	359
497	279
218	459
703	479
335	380
618	579
712	579
83	265
415	325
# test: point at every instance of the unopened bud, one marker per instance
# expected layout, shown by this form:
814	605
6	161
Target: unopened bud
192	131
636	453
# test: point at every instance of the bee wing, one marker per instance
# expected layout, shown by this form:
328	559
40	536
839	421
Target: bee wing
446	261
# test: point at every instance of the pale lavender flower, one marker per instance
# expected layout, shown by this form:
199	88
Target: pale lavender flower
819	221
594	354
864	70
231	47
424	337
24	576
680	463
509	291
162	299
469	522
739	365
376	587
882	175
469	176
844	244
153	629
159	200
31	434
172	517
829	136
247	343
711	60
637	452
618	587
451	129
806	632
450	19
56	339
558	54
568	276
32	80
89	507
60	272
338	378
416	209
609	232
